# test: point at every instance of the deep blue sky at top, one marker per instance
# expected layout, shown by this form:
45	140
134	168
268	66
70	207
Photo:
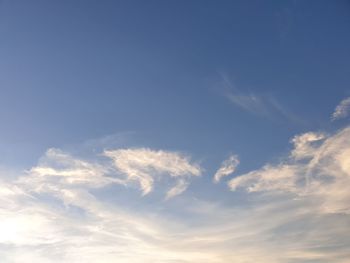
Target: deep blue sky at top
76	70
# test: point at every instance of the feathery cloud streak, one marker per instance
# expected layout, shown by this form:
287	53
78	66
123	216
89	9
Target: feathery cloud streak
227	167
258	104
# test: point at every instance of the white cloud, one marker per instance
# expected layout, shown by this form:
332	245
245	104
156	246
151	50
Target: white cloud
57	167
304	144
320	171
282	230
227	167
179	188
342	110
145	166
281	178
46	217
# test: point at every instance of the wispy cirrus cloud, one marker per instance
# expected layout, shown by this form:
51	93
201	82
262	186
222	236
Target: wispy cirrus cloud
342	109
227	167
145	166
249	102
128	166
256	103
57	167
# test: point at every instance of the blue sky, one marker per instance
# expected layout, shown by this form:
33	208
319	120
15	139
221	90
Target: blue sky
174	131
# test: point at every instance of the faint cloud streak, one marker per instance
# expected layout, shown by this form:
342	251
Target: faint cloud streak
258	104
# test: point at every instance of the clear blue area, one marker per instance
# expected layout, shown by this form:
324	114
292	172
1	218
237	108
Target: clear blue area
72	71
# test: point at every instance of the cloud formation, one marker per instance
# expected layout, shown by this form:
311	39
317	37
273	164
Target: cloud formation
279	178
144	166
126	167
58	211
57	167
227	167
318	167
342	110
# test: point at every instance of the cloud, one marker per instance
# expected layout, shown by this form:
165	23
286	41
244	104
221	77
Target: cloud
227	167
320	171
304	144
63	210
57	168
144	166
342	110
249	102
89	229
258	104
265	106
179	188
126	166
281	178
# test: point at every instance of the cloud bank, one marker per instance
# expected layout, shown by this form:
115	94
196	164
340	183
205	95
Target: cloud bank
296	210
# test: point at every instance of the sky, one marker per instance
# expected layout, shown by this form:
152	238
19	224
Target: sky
174	131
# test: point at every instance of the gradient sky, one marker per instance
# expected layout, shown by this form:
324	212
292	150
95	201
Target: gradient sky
174	131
